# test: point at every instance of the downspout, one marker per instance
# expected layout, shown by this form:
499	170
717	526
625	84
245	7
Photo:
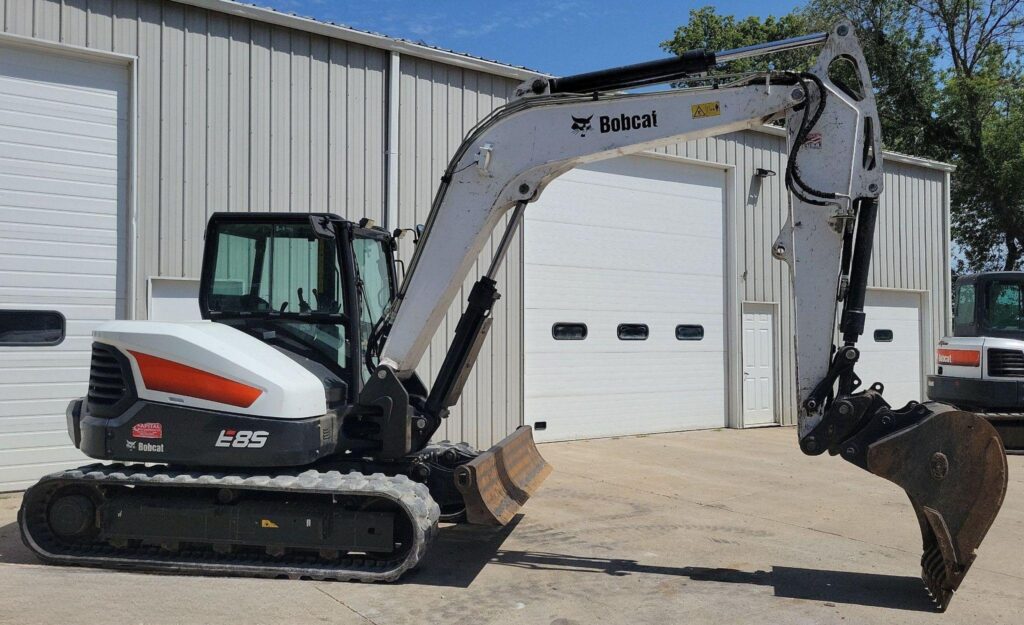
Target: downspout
391	143
947	278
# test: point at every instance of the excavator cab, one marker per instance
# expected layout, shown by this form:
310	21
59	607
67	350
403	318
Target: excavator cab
317	287
318	281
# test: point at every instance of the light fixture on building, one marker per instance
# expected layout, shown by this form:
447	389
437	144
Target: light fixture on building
761	172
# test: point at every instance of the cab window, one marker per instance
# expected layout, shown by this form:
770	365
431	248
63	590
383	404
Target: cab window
372	263
964	305
1005	306
281	268
283	275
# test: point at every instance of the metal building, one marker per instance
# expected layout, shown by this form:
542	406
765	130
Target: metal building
126	122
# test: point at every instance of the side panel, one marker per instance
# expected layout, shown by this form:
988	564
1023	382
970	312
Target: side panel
287	390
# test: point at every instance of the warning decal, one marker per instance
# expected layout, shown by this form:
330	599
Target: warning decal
705	109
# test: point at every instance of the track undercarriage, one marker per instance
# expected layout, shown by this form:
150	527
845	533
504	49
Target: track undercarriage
319	525
336	523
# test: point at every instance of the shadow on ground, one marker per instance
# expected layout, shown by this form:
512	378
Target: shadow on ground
460	553
868	589
12	550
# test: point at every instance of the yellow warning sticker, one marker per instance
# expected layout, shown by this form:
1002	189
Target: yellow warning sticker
267	523
705	109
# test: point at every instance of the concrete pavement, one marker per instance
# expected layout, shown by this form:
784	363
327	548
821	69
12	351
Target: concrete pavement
702	527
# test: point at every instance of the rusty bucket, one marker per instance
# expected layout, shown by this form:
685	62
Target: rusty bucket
953	468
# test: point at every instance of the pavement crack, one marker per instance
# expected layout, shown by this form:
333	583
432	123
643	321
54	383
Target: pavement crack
346	606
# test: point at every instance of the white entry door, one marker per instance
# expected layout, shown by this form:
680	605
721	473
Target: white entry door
758	368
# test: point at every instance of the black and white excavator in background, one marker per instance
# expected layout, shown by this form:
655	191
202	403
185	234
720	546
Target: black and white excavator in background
981	366
288	434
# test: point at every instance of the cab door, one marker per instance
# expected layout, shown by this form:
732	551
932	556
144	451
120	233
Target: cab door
373	252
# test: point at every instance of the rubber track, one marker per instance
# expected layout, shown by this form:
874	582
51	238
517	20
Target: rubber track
412	497
996	419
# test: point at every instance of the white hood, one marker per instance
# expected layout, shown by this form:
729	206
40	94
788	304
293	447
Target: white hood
289	391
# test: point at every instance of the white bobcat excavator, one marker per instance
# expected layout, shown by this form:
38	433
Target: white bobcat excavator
289	434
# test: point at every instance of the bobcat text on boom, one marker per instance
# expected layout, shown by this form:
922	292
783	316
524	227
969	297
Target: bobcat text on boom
628	122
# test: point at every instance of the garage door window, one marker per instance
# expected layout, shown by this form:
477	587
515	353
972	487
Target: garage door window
633	331
883	336
689	332
569	331
31	327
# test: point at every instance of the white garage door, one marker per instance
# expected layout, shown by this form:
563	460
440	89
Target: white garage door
63	155
627	248
891	345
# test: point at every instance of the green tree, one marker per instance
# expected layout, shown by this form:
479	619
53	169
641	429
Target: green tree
902	59
948	84
981	103
707	29
895	46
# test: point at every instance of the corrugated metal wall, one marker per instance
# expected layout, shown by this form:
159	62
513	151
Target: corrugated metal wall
235	114
910	250
232	115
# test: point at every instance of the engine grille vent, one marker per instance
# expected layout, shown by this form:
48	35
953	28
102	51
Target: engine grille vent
109	381
1006	363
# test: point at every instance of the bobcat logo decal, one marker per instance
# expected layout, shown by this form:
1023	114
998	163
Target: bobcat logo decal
580	125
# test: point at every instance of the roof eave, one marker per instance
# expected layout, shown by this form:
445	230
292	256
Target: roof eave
374	40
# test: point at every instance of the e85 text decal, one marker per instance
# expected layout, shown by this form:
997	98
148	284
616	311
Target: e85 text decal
252	439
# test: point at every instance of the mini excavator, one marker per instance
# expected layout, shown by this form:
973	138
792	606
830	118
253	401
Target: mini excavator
288	433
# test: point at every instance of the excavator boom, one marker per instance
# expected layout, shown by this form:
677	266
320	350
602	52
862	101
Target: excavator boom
944	459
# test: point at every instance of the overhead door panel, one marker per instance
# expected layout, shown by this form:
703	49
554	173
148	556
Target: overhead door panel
891	345
637	241
63	201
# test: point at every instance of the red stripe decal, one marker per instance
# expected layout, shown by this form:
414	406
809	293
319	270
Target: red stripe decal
168	376
959	357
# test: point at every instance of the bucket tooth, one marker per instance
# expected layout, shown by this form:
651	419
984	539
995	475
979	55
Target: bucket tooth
497	483
953	468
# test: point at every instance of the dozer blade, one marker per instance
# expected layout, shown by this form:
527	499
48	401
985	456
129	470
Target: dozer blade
952	465
498	482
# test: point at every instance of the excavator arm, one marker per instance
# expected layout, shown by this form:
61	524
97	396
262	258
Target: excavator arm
512	155
950	462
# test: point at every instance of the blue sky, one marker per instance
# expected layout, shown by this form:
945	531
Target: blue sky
555	36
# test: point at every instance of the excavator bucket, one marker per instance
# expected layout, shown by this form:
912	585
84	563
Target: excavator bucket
498	482
953	467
